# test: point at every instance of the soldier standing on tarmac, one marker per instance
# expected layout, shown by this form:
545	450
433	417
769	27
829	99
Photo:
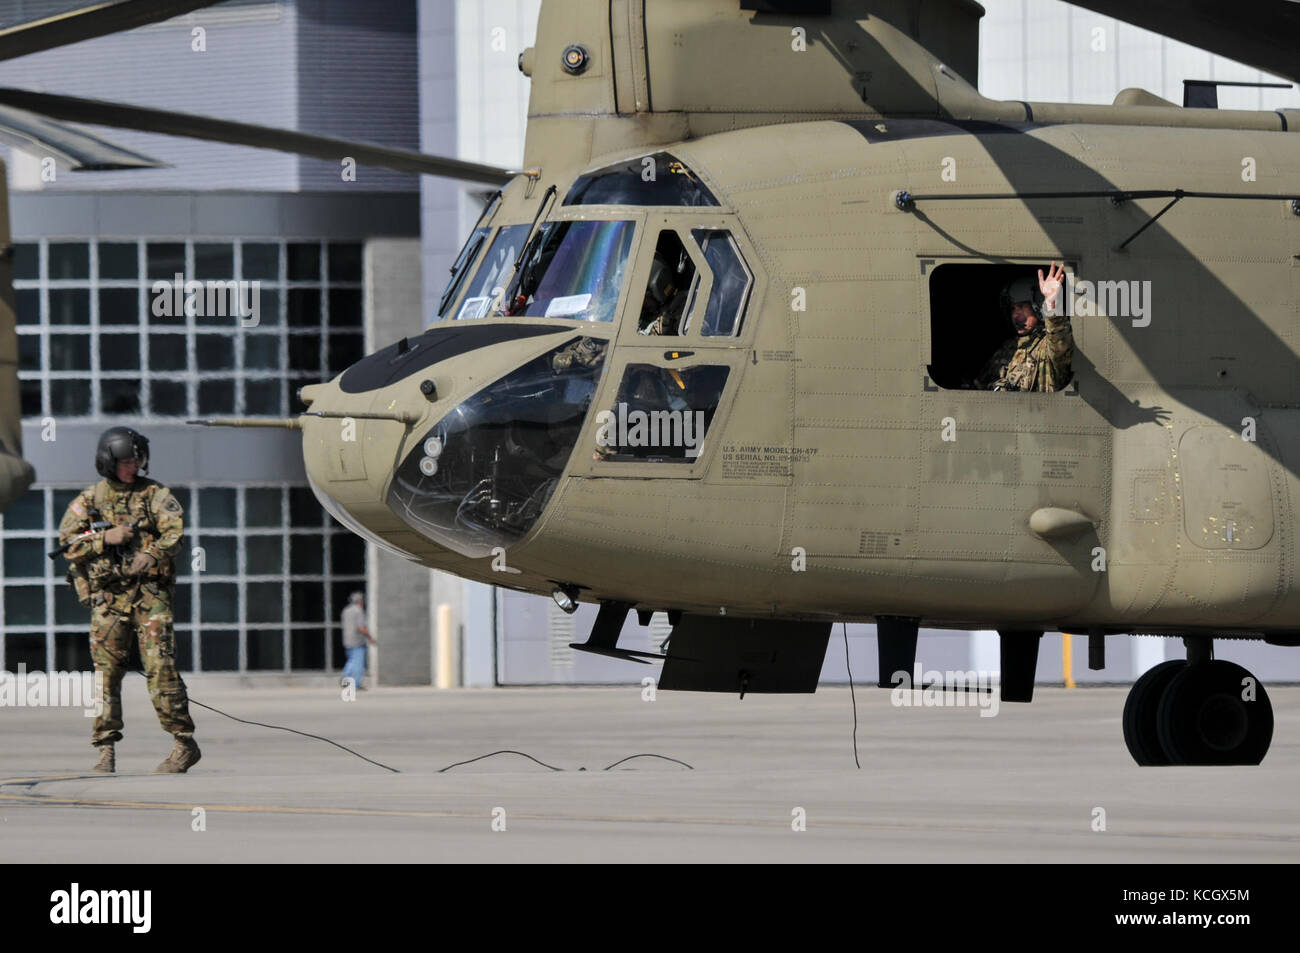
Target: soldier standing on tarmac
126	576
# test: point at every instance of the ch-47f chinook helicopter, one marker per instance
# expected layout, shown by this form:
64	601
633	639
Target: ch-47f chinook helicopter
708	354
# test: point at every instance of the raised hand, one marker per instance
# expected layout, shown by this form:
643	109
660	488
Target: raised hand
1051	286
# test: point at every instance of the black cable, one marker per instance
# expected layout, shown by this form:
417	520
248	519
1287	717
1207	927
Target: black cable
493	754
664	756
552	767
305	734
308	734
853	696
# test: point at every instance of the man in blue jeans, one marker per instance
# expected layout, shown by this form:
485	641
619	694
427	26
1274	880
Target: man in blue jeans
355	637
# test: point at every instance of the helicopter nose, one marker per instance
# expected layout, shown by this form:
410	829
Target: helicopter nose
450	441
343	443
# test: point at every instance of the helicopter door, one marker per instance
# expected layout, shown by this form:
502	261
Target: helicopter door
680	353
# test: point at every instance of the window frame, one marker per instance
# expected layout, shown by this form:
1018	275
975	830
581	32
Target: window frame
582	463
684	223
585	214
628	333
739	315
929	264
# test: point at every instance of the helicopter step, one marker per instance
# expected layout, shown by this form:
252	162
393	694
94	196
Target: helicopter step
1198	711
603	639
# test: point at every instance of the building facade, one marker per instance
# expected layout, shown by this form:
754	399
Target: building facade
264	572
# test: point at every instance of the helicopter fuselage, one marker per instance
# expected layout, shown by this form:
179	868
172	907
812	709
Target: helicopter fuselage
829	463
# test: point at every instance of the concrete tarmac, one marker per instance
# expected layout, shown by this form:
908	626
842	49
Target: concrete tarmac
936	784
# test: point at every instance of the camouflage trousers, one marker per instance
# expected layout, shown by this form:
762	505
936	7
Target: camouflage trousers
149	622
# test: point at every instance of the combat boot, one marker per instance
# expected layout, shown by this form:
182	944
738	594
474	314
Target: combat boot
107	763
185	754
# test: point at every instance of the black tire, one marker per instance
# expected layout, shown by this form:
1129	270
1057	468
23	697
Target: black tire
1203	718
1141	733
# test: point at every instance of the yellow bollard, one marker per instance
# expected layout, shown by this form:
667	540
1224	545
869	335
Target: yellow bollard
1067	659
444	654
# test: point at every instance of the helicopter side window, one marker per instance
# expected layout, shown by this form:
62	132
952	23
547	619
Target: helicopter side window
658	179
671	273
574	270
661	414
732	282
486	287
971	324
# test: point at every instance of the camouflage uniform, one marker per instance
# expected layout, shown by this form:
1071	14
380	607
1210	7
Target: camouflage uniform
585	352
1039	360
125	607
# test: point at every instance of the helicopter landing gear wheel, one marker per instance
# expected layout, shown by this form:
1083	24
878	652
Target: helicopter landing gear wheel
1214	712
1141	732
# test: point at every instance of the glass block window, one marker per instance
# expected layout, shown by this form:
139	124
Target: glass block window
263	574
144	327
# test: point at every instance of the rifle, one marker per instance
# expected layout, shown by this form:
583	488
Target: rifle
96	527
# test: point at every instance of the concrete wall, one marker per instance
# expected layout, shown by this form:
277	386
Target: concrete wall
439	198
1051	51
190	214
399	609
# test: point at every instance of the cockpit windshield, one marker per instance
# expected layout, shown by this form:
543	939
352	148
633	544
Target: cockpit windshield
458	270
572	270
486	287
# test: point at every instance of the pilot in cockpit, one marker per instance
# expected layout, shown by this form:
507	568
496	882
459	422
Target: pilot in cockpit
661	310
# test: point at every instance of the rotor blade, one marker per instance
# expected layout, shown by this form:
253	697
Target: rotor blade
82	151
89	22
1259	33
99	113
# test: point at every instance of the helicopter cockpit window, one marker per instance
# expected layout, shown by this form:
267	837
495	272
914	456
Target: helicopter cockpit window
486	285
460	270
657	179
661	414
572	270
731	282
671	273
